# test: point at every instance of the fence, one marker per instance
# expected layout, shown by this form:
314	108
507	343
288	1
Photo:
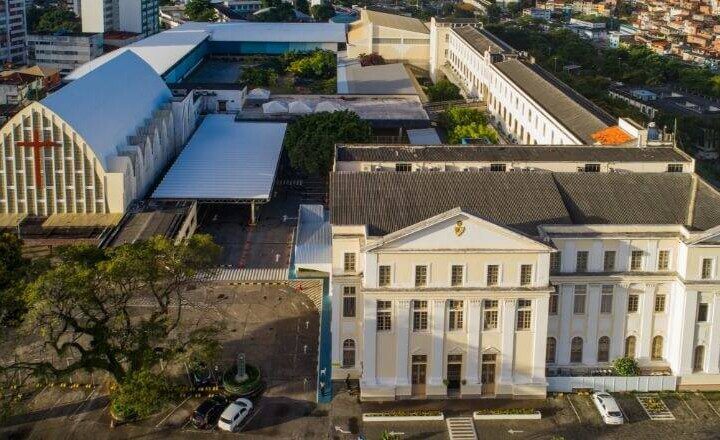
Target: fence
613	383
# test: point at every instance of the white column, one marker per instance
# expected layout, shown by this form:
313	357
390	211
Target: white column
619	315
595	260
651	254
566	315
591	335
473	341
713	348
622	263
682	350
370	269
540	327
569	257
336	292
402	332
647	304
369	340
438	338
507	337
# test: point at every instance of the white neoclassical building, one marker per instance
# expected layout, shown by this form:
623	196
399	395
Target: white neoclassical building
94	145
483	283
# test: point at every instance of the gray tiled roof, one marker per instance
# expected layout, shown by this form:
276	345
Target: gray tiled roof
573	111
504	153
397	22
482	40
387	202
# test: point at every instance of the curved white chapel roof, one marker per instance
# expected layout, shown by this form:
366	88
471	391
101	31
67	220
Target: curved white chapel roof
109	103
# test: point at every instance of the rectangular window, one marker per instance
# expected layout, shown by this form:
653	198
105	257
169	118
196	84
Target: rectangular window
707	266
420	276
420	316
633	303
493	274
592	167
403	167
349	262
636	260
456	275
609	261
579	299
659	303
384	276
384	316
581	264
498	167
348	302
524	314
702	312
455	318
664	260
674	168
606	299
525	274
490	316
553	303
555	259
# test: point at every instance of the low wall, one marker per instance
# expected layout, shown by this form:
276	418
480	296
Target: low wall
613	383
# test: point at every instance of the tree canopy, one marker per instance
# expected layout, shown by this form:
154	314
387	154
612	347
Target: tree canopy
282	12
52	19
322	12
303	6
466	123
200	10
81	307
311	139
320	64
443	90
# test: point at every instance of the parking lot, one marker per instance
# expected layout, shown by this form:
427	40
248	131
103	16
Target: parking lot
276	326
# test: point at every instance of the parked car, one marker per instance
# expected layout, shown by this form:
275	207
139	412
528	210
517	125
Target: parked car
608	407
206	415
234	414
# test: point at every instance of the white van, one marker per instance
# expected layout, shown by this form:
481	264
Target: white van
608	407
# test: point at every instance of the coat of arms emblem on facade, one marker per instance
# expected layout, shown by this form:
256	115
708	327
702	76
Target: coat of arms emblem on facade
459	228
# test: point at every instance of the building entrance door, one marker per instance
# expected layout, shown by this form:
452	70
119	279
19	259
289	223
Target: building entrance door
454	369
419	369
489	363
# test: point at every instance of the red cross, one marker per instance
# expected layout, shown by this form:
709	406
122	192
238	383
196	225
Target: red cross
36	145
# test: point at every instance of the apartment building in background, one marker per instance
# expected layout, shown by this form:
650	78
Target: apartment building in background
137	16
64	52
13	32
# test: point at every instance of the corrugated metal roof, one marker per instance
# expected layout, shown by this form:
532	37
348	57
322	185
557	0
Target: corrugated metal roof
396	21
226	160
423	136
506	153
387	202
313	246
482	40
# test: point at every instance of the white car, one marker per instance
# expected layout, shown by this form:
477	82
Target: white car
235	413
608	407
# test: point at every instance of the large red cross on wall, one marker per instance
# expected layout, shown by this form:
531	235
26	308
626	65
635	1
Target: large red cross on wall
36	144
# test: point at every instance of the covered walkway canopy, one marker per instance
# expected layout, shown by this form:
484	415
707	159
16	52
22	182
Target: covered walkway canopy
226	162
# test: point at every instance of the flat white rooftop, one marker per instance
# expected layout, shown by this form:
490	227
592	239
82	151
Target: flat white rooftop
226	161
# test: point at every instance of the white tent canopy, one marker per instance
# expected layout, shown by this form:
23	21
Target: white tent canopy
258	93
274	107
299	107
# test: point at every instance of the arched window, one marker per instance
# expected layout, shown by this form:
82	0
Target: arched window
630	347
657	348
603	354
576	350
550	350
348	353
699	358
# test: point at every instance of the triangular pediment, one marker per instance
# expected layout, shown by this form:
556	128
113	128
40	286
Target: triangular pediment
710	237
456	230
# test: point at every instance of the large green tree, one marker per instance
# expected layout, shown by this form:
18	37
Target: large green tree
82	307
15	272
200	10
311	139
52	19
322	12
443	90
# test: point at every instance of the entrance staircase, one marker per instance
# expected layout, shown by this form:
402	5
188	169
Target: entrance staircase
461	428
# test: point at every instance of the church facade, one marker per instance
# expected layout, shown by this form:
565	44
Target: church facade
94	145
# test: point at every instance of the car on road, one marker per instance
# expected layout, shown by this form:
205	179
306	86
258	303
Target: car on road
608	408
206	415
234	414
